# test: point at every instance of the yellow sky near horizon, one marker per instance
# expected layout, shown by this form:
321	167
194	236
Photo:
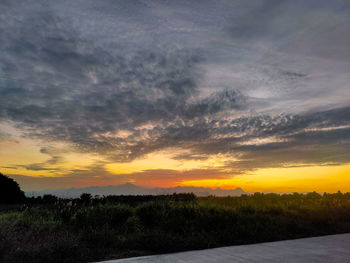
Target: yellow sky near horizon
294	179
249	94
160	169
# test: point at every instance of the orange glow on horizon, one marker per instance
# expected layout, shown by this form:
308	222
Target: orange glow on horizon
160	169
293	179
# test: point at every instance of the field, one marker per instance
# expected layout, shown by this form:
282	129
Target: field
87	229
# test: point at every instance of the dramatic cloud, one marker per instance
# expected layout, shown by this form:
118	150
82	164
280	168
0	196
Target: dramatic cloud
263	83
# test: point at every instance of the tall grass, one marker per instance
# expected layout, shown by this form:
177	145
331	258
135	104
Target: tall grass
82	230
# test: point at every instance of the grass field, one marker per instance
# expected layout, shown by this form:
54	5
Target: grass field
86	229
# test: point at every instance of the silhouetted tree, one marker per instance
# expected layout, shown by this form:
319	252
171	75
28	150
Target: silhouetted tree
10	192
85	198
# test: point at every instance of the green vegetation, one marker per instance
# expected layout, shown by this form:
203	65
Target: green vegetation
87	229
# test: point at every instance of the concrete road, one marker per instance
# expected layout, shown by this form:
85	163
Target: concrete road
327	249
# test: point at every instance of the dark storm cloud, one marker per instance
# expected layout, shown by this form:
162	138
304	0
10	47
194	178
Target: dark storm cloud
124	79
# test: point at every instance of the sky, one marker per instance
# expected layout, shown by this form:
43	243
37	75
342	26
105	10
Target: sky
216	93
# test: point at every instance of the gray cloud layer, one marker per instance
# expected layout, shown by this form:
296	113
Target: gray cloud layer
263	81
